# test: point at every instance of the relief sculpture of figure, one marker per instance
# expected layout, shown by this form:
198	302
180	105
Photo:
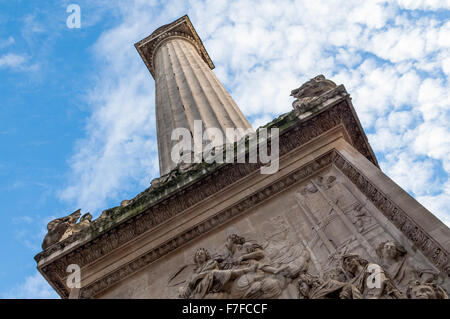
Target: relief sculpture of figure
258	284
285	256
359	271
396	263
58	227
421	290
208	280
403	271
311	287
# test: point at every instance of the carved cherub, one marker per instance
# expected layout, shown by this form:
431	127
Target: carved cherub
57	228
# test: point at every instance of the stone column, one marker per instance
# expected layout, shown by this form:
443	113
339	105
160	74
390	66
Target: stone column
186	87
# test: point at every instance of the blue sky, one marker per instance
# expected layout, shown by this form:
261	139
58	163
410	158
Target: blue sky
77	105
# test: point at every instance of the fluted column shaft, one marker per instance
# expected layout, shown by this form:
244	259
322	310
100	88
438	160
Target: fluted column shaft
188	90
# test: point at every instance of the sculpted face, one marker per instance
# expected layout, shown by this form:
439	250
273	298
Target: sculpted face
422	292
389	250
350	264
201	256
303	288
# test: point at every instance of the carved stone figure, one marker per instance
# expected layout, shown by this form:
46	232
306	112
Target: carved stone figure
242	271
85	222
208	278
57	228
311	90
359	271
395	262
311	287
286	257
247	270
259	284
335	274
419	290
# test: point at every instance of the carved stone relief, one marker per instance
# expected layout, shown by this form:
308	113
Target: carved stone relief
279	263
244	269
324	199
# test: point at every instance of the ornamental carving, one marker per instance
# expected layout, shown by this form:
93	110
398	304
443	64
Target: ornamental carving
307	95
243	270
64	227
431	248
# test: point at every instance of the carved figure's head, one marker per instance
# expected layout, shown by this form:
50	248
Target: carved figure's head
234	239
390	250
351	263
419	290
201	256
306	283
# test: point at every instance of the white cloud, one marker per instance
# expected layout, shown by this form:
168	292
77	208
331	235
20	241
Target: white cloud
424	4
438	204
413	175
12	61
34	287
6	42
394	63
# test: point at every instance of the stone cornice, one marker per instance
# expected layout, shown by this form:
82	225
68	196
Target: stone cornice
181	28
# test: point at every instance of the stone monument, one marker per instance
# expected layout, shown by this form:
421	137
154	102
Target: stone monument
328	224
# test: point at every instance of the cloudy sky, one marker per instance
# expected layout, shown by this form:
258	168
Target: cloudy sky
77	123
